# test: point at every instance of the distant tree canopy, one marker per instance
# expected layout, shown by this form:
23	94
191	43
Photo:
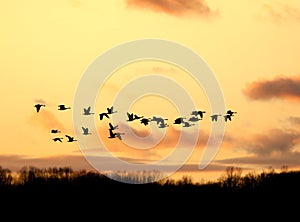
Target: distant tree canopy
66	178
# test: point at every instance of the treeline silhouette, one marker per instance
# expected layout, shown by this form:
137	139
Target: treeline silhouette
64	180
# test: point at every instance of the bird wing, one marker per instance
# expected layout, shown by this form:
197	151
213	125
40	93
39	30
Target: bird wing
130	116
111	133
38	108
69	137
119	136
194	113
87	110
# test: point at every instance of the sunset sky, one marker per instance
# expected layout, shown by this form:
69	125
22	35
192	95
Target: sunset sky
252	47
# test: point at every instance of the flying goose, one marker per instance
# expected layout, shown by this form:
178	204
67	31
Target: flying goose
227	117
187	124
159	120
85	130
55	131
230	112
215	117
163	125
38	107
70	138
196	113
112	127
63	107
115	135
179	120
57	139
132	117
194	119
110	110
87	111
101	115
145	121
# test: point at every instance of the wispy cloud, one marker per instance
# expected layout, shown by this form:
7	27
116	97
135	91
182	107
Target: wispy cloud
46	120
280	12
272	148
40	101
273	142
292	160
294	120
78	162
175	7
16	162
279	87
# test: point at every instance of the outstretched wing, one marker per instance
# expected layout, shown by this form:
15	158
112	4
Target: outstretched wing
69	137
111	133
87	110
111	126
37	108
119	136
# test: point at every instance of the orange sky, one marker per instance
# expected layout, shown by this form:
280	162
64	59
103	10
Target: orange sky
252	48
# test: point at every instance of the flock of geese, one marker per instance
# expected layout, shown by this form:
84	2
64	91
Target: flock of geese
196	116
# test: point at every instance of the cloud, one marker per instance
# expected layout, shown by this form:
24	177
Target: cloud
274	142
40	101
78	162
175	7
292	160
16	162
294	120
46	120
279	12
279	87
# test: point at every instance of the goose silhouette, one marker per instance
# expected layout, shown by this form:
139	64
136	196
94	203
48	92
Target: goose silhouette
110	110
159	120
137	117
115	135
70	138
163	125
63	107
196	113
132	117
227	117
194	119
230	112
85	130
179	120
215	117
38	107
55	131
57	139
145	121
188	124
101	115
112	127
87	111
